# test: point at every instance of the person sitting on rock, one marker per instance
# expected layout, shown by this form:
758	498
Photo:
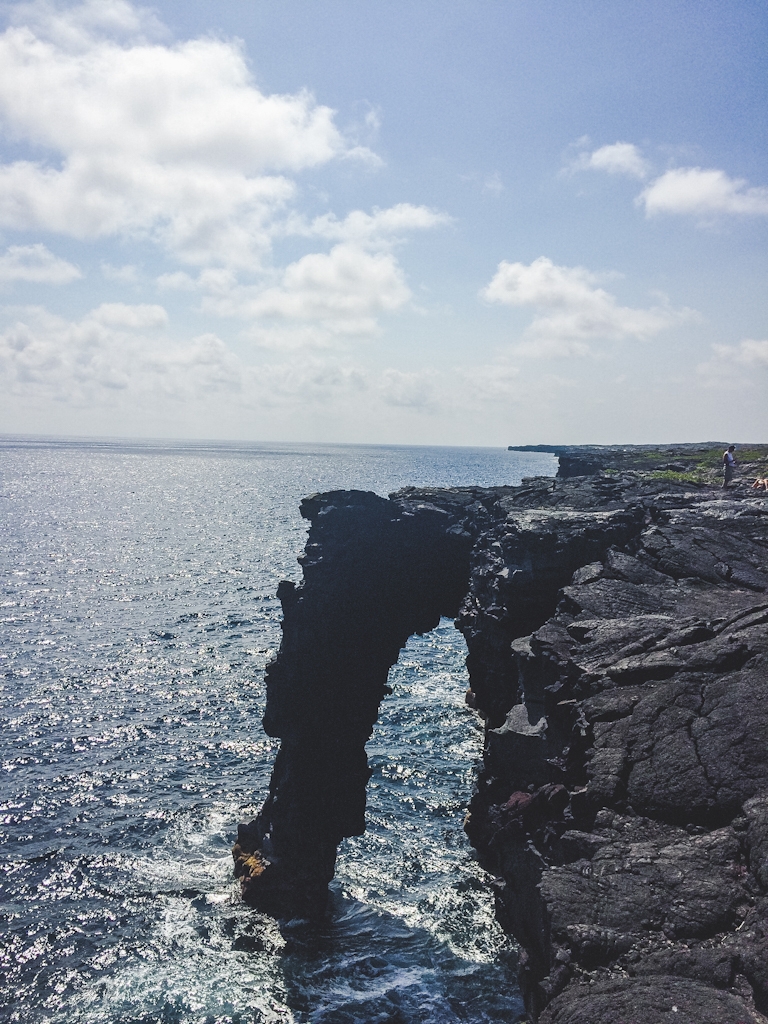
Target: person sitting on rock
760	484
729	464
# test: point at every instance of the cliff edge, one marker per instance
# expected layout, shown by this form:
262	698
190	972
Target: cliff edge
616	625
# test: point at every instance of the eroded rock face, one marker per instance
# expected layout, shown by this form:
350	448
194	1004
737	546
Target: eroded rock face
627	826
617	629
375	572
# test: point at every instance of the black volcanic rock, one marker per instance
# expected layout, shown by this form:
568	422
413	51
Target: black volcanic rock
644	697
617	630
374	573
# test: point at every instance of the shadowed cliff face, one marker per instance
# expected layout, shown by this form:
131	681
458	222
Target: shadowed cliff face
617	630
375	572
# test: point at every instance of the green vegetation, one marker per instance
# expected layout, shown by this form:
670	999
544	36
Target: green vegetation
706	467
752	455
654	456
672	476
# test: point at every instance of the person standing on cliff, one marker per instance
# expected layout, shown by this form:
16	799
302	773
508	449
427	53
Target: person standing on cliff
729	464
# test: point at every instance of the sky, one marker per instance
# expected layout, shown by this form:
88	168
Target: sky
465	223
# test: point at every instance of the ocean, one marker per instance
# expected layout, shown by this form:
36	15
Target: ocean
138	614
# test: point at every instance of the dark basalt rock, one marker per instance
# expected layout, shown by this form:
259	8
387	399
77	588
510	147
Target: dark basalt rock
375	572
617	629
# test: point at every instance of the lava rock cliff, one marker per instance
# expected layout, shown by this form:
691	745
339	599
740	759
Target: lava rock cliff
617	630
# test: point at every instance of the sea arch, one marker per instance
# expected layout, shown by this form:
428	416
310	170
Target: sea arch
375	572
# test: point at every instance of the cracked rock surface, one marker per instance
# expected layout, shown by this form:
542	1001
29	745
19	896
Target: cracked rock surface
623	803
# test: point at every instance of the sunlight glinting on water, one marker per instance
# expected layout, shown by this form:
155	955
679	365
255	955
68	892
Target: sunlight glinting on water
138	613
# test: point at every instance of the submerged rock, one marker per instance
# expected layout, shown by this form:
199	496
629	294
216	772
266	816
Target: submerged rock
616	626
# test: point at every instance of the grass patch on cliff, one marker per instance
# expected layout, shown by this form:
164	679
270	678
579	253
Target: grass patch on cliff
706	467
752	454
655	456
689	477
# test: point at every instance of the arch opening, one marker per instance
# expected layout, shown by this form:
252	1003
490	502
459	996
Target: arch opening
414	864
422	755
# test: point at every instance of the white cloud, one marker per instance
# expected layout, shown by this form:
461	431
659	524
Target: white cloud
118	314
119	356
177	281
753	353
364	155
294	338
343	289
378	229
115	354
175	145
35	264
572	310
547	340
217	280
120	360
408	390
74	28
748	353
682	190
314	380
489	382
127	274
47	355
691	190
736	367
494	184
619	158
172	143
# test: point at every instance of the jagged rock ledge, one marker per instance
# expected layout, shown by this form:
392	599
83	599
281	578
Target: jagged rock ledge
618	649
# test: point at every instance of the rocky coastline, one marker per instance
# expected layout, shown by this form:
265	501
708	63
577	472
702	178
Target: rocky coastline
616	619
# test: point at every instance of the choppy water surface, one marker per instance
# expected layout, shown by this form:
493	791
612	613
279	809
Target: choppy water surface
138	613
